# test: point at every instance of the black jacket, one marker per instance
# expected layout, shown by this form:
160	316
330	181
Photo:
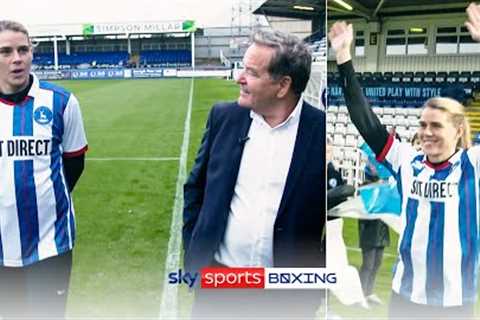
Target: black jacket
209	190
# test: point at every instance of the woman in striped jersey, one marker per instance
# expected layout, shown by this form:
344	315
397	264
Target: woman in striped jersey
435	275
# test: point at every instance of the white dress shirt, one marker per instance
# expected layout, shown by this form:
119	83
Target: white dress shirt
258	191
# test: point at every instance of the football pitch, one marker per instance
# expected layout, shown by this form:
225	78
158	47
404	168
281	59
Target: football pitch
383	284
124	199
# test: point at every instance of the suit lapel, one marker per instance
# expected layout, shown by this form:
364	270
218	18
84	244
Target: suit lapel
241	129
306	127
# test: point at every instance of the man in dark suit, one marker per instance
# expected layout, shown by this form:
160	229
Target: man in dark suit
256	194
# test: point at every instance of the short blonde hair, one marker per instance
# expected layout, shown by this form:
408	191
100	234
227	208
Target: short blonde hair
8	25
456	112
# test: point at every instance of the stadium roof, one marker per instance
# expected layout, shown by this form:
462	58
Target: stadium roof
300	9
377	9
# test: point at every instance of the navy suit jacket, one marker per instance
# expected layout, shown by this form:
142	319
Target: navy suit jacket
298	230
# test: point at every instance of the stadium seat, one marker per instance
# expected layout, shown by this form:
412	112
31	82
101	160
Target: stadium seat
402	131
400	120
418	76
412	122
351	129
165	57
338	139
407	77
388	110
331	117
343	118
413	129
350	140
342	109
330	128
338	154
351	155
429	77
401	111
441	77
378	110
475	79
387	76
340	128
453	76
397	76
368	79
464	76
108	58
387	120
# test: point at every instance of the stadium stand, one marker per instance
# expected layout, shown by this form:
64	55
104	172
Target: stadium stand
115	59
104	59
166	57
404	54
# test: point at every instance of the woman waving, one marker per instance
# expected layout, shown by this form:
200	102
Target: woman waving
436	271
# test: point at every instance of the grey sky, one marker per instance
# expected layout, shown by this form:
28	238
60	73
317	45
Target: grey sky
207	13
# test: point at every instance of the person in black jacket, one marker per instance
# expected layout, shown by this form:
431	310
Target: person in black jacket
256	194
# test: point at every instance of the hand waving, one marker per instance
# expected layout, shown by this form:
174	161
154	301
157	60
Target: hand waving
341	38
473	23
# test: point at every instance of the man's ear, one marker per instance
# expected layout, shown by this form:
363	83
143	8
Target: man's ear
285	84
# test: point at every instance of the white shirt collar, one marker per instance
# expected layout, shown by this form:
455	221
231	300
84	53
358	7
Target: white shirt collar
293	118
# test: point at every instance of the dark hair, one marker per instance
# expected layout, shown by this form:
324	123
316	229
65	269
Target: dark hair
291	58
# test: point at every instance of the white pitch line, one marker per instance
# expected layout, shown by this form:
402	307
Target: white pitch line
134	159
386	254
168	305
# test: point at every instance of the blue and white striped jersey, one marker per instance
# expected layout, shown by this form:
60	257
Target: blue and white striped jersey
36	210
439	237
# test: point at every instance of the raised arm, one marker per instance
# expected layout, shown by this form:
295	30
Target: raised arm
367	123
473	22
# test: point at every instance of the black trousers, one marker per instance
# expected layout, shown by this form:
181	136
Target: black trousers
230	304
372	259
37	291
401	308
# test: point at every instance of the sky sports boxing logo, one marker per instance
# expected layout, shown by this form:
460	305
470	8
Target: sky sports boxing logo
256	278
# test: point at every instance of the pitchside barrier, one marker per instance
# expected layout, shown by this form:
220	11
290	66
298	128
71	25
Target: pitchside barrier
315	93
124	73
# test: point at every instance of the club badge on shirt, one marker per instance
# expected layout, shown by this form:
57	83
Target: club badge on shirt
43	115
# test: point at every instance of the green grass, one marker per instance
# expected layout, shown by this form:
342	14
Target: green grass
207	92
383	280
123	208
383	284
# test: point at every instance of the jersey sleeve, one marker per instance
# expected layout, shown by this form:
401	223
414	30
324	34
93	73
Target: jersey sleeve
74	140
474	155
395	153
362	116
